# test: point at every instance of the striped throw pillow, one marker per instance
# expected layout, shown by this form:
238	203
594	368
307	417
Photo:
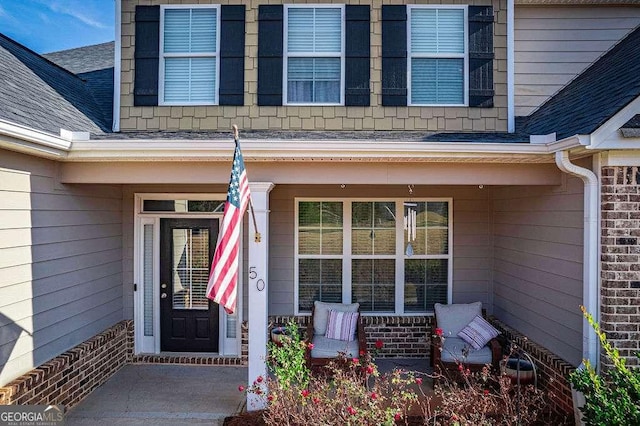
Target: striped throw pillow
478	333
342	325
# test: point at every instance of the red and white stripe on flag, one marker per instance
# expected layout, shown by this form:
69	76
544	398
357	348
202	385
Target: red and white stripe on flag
223	279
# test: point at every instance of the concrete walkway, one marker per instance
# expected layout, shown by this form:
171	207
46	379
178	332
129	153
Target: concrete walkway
163	395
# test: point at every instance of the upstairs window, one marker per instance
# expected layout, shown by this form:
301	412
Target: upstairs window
314	55
437	55
189	59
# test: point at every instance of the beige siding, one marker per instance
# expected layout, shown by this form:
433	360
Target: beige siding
471	240
60	262
554	44
251	116
537	269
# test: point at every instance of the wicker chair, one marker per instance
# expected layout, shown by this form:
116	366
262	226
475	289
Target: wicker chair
326	350
446	356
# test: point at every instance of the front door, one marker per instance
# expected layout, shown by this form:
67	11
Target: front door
188	320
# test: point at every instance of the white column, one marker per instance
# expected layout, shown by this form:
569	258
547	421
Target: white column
258	288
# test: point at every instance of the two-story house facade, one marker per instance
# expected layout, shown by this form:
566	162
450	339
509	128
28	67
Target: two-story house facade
399	154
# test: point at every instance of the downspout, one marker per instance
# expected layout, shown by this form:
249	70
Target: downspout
590	292
511	107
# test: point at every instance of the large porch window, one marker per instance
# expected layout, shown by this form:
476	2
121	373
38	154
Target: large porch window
360	251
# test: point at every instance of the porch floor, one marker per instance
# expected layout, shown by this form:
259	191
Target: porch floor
163	395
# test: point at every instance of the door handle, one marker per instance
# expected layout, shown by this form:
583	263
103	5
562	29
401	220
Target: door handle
163	296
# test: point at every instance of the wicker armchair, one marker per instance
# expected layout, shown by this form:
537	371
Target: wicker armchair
446	356
324	349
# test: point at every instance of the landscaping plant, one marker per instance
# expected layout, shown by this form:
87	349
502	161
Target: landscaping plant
613	397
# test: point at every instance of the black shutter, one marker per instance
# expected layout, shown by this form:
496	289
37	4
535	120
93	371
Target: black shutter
357	56
394	55
232	55
147	51
270	54
481	56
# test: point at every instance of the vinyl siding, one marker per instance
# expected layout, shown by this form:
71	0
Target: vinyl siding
554	44
60	262
537	269
471	238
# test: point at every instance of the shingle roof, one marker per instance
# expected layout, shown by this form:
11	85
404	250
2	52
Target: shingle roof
358	135
84	59
593	97
93	64
39	94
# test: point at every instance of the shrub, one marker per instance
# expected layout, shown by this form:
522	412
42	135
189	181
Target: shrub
612	398
287	359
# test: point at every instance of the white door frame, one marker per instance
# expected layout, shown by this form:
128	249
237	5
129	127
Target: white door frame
151	344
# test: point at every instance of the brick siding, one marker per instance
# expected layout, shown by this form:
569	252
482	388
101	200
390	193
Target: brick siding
403	337
552	371
71	376
620	260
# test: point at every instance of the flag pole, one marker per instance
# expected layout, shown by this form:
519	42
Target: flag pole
257	237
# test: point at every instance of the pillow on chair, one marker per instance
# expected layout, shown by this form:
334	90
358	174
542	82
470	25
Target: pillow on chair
342	325
453	318
478	333
321	314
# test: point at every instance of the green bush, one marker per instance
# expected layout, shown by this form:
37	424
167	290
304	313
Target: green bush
613	397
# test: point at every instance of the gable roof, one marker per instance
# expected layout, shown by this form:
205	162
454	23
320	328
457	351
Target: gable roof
594	96
39	94
94	65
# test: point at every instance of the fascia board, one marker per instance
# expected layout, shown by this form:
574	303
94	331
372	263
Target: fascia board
600	138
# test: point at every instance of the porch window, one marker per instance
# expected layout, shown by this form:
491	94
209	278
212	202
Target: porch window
189	55
359	251
314	55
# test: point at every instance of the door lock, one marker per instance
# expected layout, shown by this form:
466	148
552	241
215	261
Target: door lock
163	285
163	296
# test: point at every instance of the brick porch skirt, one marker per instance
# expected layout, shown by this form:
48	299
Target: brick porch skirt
71	376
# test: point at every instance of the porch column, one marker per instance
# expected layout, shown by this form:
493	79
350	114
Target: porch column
258	288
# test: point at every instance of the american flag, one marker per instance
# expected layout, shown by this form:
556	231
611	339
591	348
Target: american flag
222	287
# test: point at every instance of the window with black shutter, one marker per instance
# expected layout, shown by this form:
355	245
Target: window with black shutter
314	55
445	58
189	55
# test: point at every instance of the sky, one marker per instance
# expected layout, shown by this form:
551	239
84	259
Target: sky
50	25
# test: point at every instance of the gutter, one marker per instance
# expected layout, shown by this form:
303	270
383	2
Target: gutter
35	142
590	255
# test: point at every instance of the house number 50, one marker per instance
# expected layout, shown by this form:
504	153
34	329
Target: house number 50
253	274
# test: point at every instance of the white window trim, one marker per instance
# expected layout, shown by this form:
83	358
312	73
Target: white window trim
162	56
346	255
465	56
285	53
151	344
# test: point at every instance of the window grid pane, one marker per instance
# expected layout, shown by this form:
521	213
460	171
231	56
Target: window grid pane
437	81
425	284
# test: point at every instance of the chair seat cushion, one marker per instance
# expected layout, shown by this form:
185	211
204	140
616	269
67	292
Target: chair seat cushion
324	347
452	351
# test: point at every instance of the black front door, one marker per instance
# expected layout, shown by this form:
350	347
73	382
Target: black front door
188	320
